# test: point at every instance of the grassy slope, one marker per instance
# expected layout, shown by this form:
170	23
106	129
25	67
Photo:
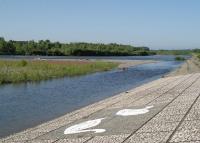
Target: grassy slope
23	71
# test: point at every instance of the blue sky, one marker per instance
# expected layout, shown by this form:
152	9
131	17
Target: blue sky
158	24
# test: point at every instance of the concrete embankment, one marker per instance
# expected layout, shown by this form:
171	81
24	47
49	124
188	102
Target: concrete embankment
165	110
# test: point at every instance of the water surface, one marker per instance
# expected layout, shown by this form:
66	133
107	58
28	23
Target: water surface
29	104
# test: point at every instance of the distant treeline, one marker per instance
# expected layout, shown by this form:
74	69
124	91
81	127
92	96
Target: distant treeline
176	52
46	47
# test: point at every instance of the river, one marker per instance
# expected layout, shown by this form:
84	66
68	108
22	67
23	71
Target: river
26	105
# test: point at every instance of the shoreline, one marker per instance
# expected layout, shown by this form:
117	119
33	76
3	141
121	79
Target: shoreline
188	67
76	112
39	70
51	131
34	132
122	63
129	63
58	68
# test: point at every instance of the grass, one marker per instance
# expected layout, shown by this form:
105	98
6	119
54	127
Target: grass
24	71
198	56
180	58
173	52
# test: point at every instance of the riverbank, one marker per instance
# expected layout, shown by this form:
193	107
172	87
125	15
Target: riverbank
189	66
15	71
21	103
153	125
129	63
36	70
121	63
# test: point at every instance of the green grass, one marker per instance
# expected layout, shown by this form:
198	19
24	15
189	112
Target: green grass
180	58
24	71
198	56
173	52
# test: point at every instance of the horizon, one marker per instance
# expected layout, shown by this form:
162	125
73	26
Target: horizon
166	25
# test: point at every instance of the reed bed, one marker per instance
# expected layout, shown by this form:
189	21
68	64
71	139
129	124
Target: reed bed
25	71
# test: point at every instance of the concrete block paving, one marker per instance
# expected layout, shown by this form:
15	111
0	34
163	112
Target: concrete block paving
163	111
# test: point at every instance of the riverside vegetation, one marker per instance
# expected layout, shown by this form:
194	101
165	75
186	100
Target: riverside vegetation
197	53
46	47
175	52
23	71
178	58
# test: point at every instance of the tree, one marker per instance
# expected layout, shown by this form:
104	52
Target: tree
2	45
46	47
6	47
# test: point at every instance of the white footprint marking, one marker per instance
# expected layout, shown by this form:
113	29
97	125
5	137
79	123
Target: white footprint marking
130	112
80	128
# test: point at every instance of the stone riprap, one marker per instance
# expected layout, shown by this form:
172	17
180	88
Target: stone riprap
165	110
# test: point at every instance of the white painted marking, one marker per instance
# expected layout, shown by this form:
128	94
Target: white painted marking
80	128
130	112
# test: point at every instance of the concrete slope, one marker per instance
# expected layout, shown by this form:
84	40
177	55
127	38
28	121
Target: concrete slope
165	110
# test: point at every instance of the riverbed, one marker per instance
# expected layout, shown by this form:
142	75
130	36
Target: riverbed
26	105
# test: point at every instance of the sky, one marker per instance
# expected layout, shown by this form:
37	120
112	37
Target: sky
158	24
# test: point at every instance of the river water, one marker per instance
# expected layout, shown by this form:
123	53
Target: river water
26	105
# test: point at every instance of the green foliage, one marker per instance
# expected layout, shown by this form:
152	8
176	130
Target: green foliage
23	71
196	50
197	53
69	49
198	56
180	58
23	63
173	52
6	48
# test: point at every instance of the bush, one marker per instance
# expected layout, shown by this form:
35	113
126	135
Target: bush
23	63
180	59
198	56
